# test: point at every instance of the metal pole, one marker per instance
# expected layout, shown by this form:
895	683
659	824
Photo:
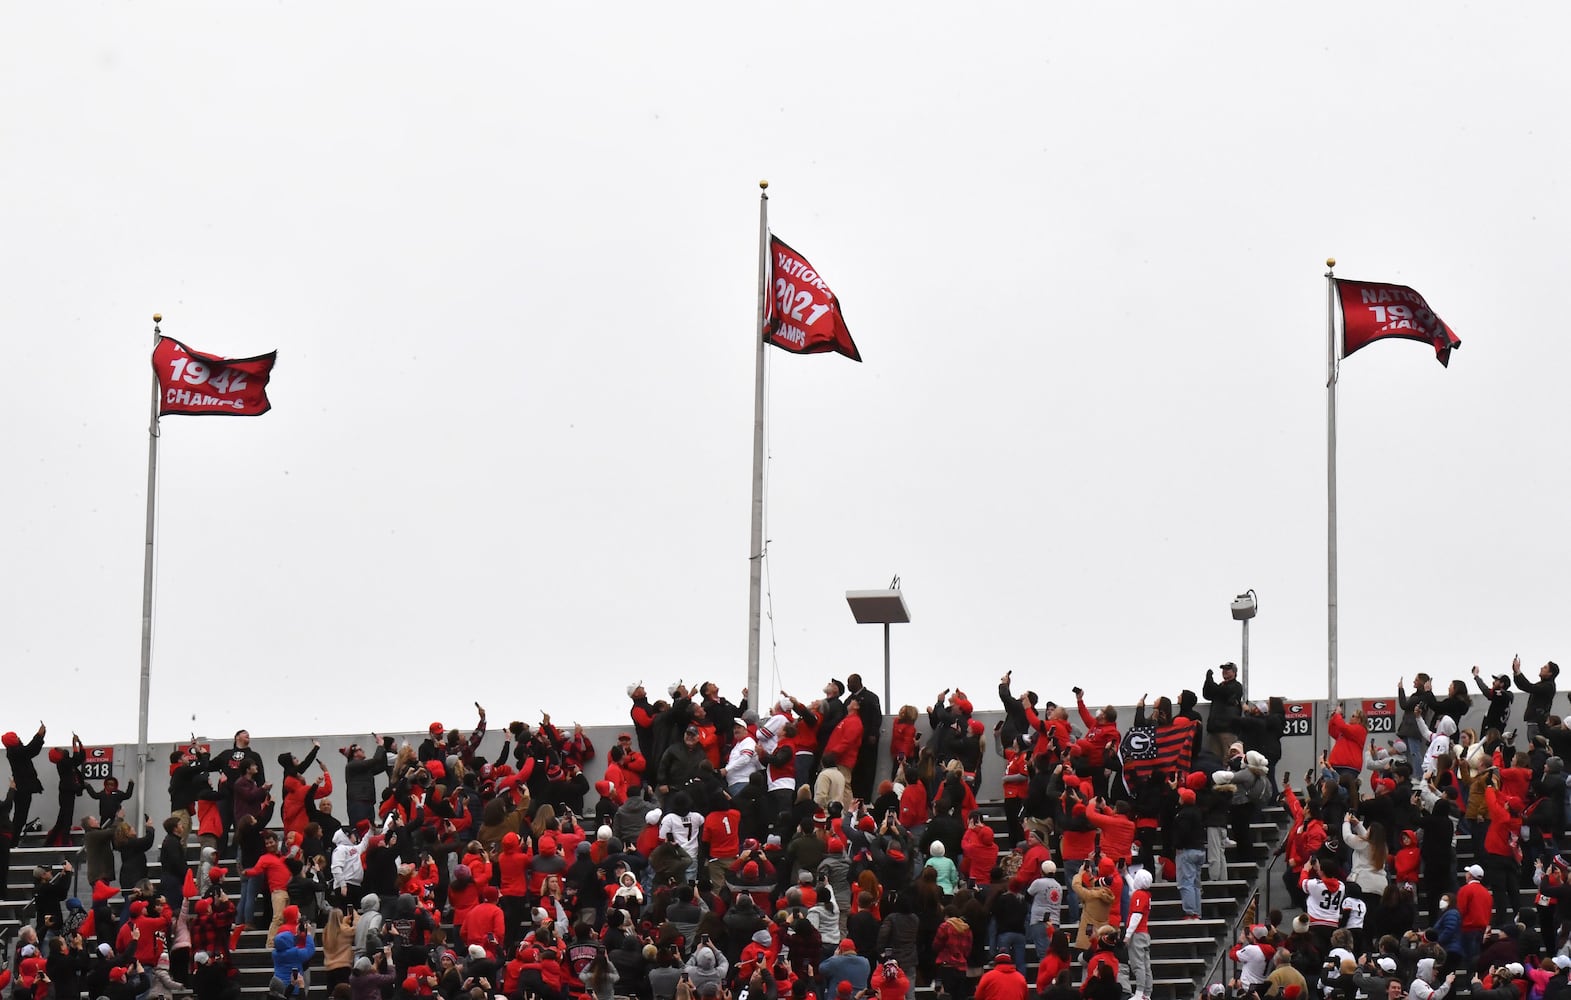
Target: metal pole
888	705
1244	666
1331	375
147	595
755	557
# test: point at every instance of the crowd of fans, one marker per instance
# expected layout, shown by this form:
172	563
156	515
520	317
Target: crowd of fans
732	851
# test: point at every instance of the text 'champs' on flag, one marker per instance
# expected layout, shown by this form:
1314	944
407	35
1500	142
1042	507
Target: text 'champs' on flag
1372	310
802	315
194	383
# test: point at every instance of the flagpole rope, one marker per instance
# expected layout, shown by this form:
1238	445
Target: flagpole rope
769	591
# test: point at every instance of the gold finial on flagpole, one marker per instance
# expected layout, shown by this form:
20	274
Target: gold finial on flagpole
1330	262
158	317
764	185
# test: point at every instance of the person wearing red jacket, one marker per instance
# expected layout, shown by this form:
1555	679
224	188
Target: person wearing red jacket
1502	852
271	866
1002	982
845	740
1307	836
902	738
1474	903
1347	753
485	925
978	852
1101	738
297	793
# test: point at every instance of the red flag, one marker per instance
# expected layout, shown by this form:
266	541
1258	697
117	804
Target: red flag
1374	311
196	383
802	315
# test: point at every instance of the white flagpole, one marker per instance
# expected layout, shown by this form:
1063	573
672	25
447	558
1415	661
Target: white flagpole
1331	376
147	596
755	558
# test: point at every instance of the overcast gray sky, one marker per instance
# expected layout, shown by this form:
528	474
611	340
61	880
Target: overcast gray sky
507	254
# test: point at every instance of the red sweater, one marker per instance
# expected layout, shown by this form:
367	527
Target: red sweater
1348	751
1475	904
1118	832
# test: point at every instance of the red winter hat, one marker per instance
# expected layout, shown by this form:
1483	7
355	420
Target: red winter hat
603	788
117	974
548	844
554	773
10	740
867	823
204	907
896	854
436	769
836	845
56	755
750	870
490	894
846	944
977	729
844	989
436	729
411	984
964	706
291	914
1186	796
886	787
1105	866
1196	780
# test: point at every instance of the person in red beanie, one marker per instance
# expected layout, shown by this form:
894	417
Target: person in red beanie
24	776
1002	982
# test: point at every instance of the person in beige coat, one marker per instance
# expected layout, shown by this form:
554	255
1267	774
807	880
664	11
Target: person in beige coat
338	945
1096	905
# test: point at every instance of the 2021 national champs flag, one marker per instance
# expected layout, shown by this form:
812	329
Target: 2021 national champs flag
1373	310
801	314
195	383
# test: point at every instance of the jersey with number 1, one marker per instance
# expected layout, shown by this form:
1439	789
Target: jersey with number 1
1323	901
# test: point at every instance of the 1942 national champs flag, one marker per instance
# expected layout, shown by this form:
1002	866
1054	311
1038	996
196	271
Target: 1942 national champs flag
1373	310
802	315
195	383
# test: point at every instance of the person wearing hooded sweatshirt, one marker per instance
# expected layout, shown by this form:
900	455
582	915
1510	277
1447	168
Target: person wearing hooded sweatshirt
368	929
290	960
979	852
1424	988
952	945
24	775
708	966
1438	739
1137	931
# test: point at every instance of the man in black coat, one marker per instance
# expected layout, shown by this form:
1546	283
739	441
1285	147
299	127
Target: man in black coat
1539	693
871	712
21	756
1227	704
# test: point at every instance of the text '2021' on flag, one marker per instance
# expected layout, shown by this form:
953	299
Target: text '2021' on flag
195	383
1373	310
801	314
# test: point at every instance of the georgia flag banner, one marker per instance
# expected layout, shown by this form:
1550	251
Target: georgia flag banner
195	383
1374	311
801	314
